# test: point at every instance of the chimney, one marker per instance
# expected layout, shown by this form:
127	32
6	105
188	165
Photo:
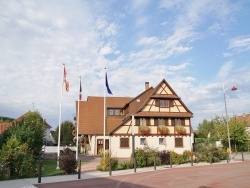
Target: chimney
146	85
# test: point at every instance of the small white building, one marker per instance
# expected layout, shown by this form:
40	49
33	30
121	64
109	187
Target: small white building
162	121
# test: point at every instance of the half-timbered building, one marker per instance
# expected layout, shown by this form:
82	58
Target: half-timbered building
162	121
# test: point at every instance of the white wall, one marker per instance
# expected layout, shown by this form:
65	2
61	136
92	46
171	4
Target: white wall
54	149
152	142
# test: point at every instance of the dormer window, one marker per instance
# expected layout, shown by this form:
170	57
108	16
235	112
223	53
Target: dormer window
115	112
163	103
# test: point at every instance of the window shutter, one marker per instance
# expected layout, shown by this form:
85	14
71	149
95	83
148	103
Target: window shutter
172	122
157	102
156	121
137	121
147	121
165	121
124	142
183	122
171	103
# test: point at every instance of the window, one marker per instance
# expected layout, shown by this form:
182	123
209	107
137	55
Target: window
143	141
115	112
143	121
161	141
124	142
178	142
110	112
164	103
178	122
161	121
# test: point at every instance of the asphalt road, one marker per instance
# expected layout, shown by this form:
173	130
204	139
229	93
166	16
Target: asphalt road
225	175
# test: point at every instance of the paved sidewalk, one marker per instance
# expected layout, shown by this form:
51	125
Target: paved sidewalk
88	171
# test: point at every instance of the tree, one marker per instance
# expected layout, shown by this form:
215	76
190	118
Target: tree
217	128
29	129
21	144
67	137
207	131
238	134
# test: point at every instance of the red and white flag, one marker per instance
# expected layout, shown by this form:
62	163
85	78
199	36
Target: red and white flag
65	79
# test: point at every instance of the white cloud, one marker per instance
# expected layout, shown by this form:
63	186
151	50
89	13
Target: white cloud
225	70
106	50
179	67
37	37
240	44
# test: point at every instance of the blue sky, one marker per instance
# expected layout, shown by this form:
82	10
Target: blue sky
196	46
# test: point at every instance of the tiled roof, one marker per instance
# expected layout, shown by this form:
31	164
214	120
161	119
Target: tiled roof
24	115
245	117
4	126
92	120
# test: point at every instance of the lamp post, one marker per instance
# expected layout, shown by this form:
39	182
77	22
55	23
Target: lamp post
228	131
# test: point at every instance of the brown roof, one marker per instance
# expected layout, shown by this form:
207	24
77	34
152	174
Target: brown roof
24	115
245	117
4	126
92	120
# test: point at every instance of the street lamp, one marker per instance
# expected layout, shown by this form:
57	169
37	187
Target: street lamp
228	132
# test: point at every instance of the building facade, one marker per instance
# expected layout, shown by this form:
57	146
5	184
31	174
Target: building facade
161	121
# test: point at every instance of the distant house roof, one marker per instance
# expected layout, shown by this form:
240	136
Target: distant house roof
245	117
4	126
24	115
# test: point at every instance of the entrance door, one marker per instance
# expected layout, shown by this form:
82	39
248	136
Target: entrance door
100	145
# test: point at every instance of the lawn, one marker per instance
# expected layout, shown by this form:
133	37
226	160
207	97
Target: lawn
49	168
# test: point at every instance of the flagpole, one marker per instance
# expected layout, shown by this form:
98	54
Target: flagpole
60	115
78	113
104	119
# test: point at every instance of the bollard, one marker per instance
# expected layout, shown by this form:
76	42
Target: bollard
110	170
79	170
154	163
134	164
210	158
40	171
227	157
170	158
192	160
242	155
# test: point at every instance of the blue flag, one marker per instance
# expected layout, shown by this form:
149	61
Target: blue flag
107	86
80	91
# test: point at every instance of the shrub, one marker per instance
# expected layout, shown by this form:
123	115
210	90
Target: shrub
145	157
127	164
203	152
164	157
176	158
105	161
67	161
186	155
18	160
